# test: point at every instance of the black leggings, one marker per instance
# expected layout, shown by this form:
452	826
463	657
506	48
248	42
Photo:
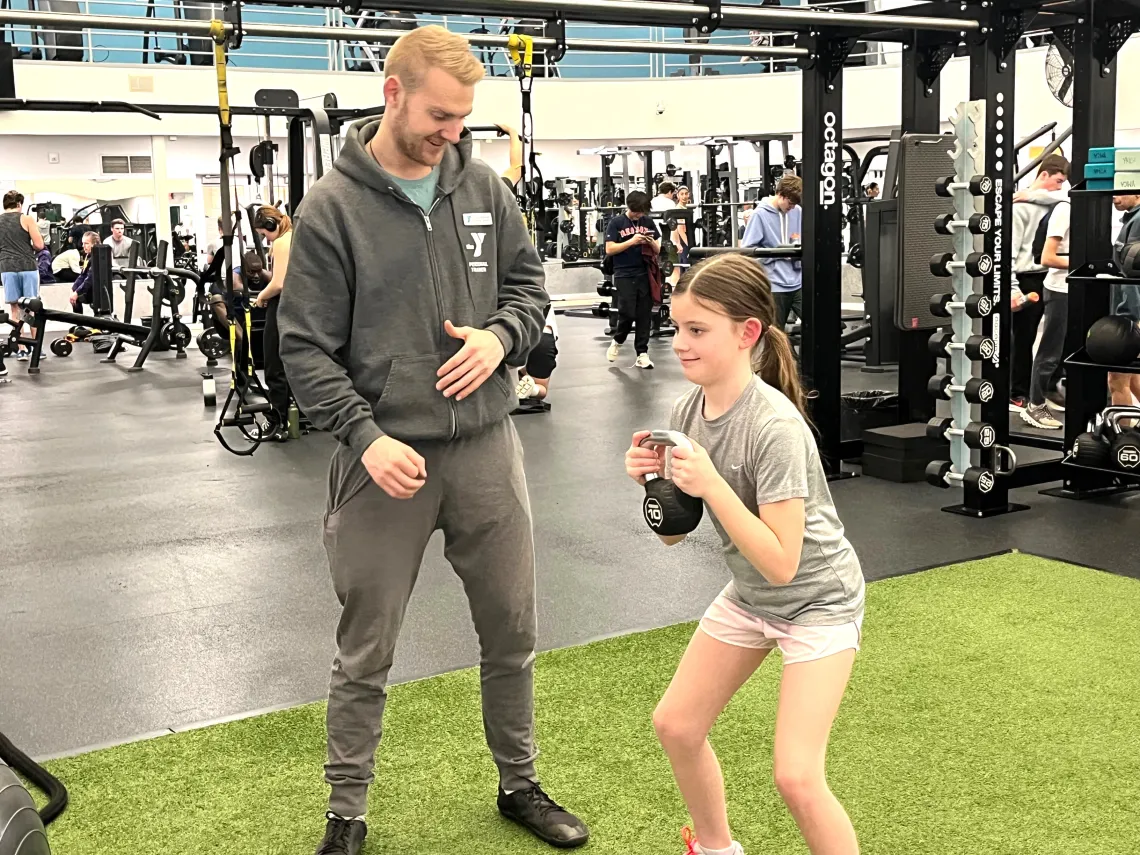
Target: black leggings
276	383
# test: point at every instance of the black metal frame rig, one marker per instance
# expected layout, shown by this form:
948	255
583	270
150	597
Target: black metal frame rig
1098	29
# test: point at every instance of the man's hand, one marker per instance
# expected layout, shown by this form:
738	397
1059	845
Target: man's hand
73	298
641	461
396	468
693	471
481	354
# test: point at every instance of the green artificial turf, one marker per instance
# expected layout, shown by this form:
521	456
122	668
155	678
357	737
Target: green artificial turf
994	709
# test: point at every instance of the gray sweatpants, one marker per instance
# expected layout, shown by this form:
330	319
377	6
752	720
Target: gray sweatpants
476	493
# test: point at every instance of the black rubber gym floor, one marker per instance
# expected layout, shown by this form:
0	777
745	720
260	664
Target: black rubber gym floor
150	580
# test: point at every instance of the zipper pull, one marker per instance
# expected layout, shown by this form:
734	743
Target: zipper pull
427	220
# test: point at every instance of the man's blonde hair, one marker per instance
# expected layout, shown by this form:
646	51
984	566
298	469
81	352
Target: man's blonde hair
432	47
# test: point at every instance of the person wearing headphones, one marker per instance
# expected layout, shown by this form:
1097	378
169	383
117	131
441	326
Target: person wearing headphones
276	229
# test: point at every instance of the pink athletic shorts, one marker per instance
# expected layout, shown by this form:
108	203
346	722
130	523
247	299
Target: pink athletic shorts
725	621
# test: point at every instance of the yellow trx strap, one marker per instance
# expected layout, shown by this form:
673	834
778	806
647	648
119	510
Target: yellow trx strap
523	59
218	34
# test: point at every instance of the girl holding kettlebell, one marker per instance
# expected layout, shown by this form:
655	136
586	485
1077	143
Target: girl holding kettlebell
797	583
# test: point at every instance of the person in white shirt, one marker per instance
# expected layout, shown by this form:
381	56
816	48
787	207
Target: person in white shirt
1051	348
67	266
120	244
665	200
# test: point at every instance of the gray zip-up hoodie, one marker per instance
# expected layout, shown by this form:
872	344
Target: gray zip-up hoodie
371	280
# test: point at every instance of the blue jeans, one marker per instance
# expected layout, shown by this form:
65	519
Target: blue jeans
23	283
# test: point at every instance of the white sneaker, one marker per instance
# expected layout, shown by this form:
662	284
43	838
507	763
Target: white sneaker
613	351
1039	416
526	387
643	361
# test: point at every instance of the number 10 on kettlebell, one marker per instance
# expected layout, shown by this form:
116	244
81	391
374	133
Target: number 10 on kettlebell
668	510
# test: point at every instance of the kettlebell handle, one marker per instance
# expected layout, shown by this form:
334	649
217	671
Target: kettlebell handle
668	438
665	439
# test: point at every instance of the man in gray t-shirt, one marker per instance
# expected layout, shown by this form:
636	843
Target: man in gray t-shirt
120	244
766	452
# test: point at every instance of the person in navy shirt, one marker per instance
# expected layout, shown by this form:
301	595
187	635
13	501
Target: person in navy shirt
627	236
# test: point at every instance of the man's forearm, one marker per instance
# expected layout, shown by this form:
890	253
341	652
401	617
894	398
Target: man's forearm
752	536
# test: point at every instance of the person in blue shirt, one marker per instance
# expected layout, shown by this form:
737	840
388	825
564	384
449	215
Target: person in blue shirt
777	221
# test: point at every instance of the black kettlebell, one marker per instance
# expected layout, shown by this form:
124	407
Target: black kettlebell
1125	452
1092	449
1113	340
667	508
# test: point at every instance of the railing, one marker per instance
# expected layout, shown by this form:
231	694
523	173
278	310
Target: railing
111	46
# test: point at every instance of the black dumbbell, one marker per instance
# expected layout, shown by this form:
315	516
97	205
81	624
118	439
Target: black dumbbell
976	264
571	253
976	390
976	305
600	225
671	224
566	227
940	473
978	435
976	346
979	185
978	224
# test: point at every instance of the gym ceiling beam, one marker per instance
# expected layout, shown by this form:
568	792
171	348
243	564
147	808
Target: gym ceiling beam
55	20
656	12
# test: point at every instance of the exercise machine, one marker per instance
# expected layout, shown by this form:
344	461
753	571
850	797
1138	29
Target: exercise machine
162	332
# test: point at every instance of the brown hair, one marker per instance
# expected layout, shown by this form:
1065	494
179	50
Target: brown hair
791	187
1053	164
666	187
738	287
13	199
432	47
281	222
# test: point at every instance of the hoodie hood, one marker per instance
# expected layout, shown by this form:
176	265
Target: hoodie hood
357	162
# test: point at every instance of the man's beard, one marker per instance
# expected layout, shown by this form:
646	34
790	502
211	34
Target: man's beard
410	145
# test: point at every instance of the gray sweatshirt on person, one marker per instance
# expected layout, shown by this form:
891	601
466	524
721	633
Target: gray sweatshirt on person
371	280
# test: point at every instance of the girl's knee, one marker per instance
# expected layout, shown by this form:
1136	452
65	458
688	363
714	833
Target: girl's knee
799	782
675	730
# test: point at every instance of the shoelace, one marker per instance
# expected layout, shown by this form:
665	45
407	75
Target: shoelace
690	840
338	836
542	802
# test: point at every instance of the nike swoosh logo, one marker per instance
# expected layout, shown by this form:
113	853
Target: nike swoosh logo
737	467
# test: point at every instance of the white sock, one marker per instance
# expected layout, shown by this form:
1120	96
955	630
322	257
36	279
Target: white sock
734	849
331	815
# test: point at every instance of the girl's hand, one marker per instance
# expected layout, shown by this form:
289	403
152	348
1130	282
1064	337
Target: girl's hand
640	461
693	471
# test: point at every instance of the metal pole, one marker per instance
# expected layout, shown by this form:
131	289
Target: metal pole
351	34
677	14
822	238
1049	149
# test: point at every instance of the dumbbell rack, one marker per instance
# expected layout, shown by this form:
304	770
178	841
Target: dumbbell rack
978	478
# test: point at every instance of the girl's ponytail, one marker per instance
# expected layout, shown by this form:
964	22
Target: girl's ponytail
775	362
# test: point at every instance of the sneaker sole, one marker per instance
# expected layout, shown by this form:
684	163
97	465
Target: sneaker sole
1013	408
552	841
1029	420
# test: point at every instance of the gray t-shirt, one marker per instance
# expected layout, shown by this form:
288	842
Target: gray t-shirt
766	452
120	250
420	190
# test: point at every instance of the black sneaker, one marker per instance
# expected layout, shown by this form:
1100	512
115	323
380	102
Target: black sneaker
547	820
342	836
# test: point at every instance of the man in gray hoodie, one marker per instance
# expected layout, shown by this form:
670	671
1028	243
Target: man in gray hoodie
777	222
412	286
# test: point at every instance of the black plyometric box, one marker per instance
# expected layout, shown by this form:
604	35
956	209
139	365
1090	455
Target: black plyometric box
901	452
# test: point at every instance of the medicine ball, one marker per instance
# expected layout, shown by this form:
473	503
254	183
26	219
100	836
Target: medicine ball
1113	340
21	831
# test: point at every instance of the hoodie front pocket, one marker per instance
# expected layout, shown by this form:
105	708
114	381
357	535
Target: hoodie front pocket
410	405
